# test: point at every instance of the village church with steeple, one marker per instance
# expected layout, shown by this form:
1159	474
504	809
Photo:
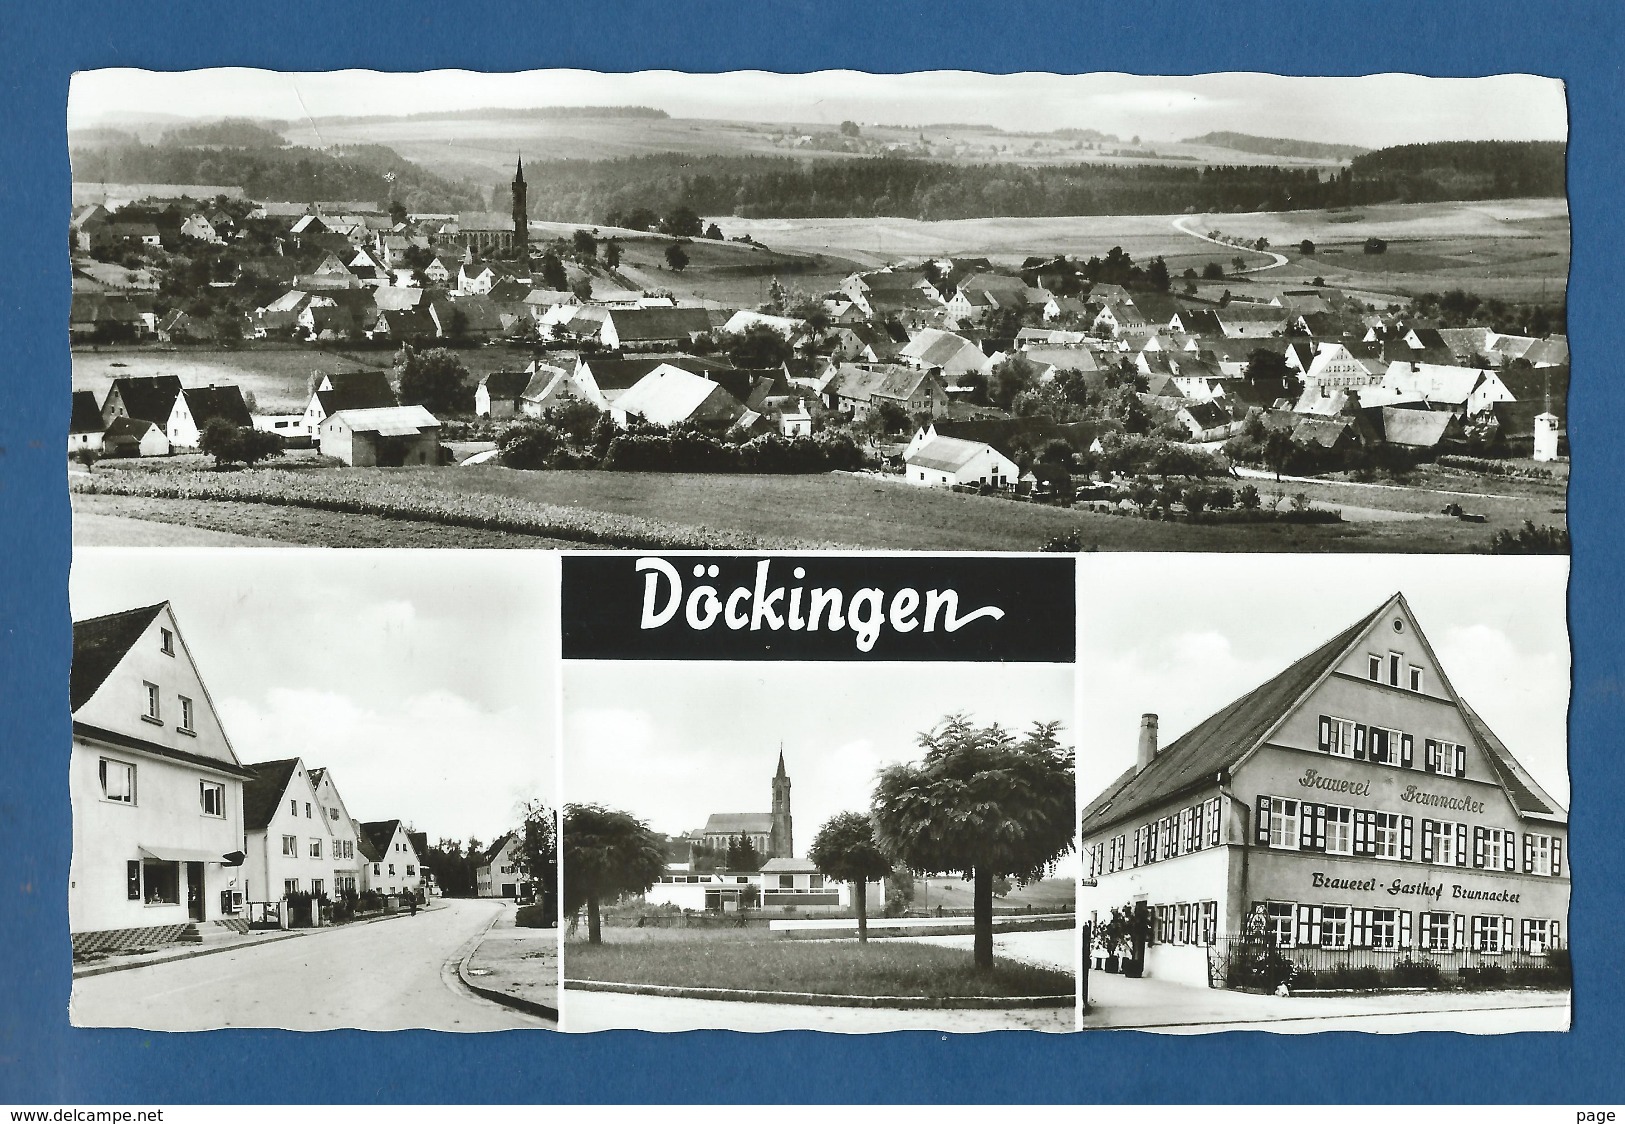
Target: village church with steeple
769	832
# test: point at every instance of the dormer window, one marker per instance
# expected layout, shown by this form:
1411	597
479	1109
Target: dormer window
166	640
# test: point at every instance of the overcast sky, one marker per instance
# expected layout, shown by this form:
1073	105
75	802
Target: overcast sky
1219	625
421	678
1373	110
674	742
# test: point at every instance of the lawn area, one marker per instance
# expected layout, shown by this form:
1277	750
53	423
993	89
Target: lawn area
1050	895
705	511
755	960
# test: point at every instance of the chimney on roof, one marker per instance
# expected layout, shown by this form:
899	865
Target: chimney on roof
1148	741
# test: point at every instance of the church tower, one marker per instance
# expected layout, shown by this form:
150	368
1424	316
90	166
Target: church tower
781	845
521	221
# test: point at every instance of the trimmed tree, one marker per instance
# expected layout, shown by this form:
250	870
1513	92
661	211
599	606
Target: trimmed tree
981	803
845	850
607	853
539	855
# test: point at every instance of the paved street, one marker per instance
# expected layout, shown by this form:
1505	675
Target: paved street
1116	1002
397	974
598	1010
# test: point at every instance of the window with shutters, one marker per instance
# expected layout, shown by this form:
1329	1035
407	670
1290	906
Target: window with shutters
1210	922
1339	830
1213	822
1494	848
1340	737
1187	830
1445	849
1487	934
1436	932
1385	835
1536	935
1152	834
1334	926
1284	824
1384	928
1540	851
1278	921
1383	745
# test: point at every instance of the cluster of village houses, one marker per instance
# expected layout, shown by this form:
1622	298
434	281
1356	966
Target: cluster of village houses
915	337
177	839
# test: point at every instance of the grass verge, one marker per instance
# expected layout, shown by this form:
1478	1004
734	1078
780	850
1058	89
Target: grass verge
756	961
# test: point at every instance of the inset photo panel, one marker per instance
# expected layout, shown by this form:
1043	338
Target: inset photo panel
812	834
314	790
1332	804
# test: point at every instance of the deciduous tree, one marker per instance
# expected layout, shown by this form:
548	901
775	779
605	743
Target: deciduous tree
845	850
607	853
981	803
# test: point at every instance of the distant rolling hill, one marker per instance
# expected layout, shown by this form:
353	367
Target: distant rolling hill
1277	146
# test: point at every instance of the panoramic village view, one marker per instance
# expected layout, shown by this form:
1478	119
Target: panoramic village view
556	325
266	836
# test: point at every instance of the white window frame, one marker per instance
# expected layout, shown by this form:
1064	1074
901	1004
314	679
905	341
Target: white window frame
1396	660
1373	667
1495	843
1339	823
290	886
218	791
166	641
1342	737
315	849
290	846
1488	934
1444	843
1281	920
1436	927
1282	837
1415	679
1335	925
1385	835
1385	929
1539	932
185	725
106	767
1540	849
154	704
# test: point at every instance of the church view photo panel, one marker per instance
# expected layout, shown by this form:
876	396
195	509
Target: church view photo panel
823	792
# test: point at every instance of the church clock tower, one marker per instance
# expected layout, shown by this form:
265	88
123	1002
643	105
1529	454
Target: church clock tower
781	845
521	222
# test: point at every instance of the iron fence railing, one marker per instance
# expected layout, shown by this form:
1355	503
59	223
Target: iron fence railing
1245	962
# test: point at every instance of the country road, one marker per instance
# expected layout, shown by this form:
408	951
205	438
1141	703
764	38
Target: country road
1278	260
398	974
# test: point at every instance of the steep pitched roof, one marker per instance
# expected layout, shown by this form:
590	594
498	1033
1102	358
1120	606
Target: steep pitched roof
491	852
99	644
639	324
148	397
210	402
947	454
356	390
1526	795
379	833
739	823
86	415
505	385
1221	740
262	792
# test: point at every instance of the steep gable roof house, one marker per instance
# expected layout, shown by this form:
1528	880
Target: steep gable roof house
195	408
1358	762
347	390
144	397
644	328
669	395
155	784
499	392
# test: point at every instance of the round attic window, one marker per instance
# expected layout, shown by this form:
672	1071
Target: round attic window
1399	625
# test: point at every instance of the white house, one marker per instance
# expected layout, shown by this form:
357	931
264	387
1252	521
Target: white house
796	422
157	789
547	386
500	874
389	437
196	407
783	885
85	424
199	227
942	461
344	847
500	393
134	437
288	840
392	863
1469	389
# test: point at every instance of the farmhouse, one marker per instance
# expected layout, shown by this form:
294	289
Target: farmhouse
347	390
1354	804
389	437
85	424
949	460
134	437
669	395
145	398
955	356
644	329
196	408
499	394
157	789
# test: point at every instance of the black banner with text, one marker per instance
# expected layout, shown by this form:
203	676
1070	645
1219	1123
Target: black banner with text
818	607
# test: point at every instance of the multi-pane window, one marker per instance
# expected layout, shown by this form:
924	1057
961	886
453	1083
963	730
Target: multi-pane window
1384	745
1444	844
307	809
411	870
1334	926
1278	922
290	885
1436	932
1339	830
186	716
153	713
1536	934
1385	835
166	641
118	781
315	848
1540	851
1340	737
1487	934
212	797
1384	928
318	886
1284	824
293	807
290	845
1494	849
1210	922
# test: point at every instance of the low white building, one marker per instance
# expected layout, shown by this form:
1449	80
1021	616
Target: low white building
390	437
392	863
945	461
783	885
156	787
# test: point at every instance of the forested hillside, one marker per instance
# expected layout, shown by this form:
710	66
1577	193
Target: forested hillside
1278	146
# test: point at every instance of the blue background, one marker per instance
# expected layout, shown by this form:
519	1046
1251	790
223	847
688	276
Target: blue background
42	1059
